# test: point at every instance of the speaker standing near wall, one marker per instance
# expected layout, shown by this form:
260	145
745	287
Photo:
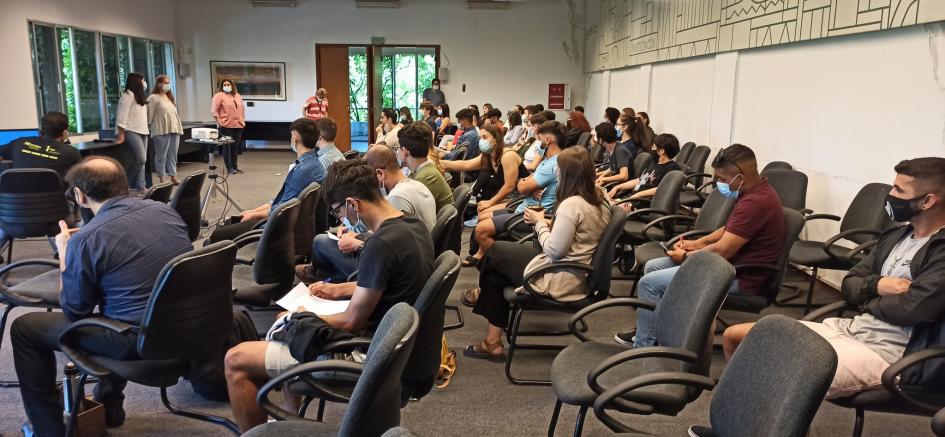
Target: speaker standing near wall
228	110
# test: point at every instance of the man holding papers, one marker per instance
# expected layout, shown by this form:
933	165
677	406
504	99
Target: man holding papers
394	265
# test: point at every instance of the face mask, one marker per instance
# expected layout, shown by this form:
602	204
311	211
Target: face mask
439	112
725	189
144	85
436	87
901	210
227	89
383	191
358	227
531	134
293	146
166	88
619	132
485	146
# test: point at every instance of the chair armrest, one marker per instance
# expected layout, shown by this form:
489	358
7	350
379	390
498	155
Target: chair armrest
693	233
938	423
822	217
69	346
824	311
554	266
646	229
646	200
259	225
346	345
248	238
262	398
858	250
638	212
806	211
18	299
611	397
607	303
890	378
352	277
693	176
632	354
858	231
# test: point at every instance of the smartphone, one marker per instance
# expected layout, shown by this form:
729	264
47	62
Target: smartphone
536	208
236	219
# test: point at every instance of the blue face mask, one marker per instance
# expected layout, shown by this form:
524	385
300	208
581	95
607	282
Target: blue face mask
725	189
358	227
485	146
619	132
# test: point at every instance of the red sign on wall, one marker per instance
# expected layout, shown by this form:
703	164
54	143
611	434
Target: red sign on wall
556	95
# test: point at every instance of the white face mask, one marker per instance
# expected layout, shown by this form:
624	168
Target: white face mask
436	87
144	84
227	89
166	87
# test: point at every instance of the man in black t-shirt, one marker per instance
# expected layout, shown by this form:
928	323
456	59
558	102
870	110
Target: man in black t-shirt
45	151
667	146
394	266
618	157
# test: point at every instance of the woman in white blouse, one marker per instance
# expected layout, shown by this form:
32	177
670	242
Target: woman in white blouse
166	128
131	126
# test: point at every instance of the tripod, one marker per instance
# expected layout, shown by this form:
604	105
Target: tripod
215	183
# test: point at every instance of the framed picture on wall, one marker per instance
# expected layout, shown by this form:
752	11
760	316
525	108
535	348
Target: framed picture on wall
254	80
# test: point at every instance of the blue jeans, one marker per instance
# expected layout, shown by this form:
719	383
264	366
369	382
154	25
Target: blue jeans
139	148
327	257
657	274
165	154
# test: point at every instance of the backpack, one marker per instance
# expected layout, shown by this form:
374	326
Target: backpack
212	385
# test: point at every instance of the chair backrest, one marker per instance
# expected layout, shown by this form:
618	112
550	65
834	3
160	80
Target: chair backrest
697	159
306	223
352	154
190	311
584	139
444	229
684	152
160	192
667	192
868	210
424	362
791	186
778	164
32	201
461	196
793	224
375	403
774	383
186	201
602	262
690	304
275	253
640	163
714	212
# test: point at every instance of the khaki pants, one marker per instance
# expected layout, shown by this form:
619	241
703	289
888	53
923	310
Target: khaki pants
859	368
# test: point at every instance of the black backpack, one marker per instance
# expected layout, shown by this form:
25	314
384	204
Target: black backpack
212	385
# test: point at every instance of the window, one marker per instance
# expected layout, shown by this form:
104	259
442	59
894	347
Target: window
405	73
82	72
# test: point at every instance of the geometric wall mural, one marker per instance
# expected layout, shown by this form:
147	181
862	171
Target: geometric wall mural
620	33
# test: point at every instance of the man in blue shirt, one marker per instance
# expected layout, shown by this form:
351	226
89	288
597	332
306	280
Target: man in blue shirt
328	154
111	262
306	169
470	136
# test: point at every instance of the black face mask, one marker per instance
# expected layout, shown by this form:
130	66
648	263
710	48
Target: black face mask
901	210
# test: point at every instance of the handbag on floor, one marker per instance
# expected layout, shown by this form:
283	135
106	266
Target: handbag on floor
447	366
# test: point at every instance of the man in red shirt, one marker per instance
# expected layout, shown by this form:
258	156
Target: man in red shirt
754	233
316	107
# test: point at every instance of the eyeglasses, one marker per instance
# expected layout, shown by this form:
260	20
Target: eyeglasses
337	212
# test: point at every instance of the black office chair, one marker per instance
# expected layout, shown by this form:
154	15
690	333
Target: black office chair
597	284
270	274
424	362
375	403
864	221
444	229
160	192
778	165
192	295
773	385
589	369
640	163
584	139
186	201
32	201
311	221
636	231
461	196
684	152
791	186
697	159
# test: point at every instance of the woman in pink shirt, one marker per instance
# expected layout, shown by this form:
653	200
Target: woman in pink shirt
228	110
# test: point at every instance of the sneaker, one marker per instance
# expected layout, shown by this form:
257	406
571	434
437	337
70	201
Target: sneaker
626	338
471	223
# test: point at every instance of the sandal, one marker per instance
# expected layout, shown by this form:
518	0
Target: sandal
469	297
485	351
471	261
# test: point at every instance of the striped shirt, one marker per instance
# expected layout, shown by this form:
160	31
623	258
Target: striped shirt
329	155
316	109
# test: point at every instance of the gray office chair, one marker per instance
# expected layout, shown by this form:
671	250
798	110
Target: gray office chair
309	223
665	202
160	192
684	152
192	294
375	403
584	139
270	274
640	163
186	201
791	186
864	220
773	385
778	164
32	201
584	371
444	229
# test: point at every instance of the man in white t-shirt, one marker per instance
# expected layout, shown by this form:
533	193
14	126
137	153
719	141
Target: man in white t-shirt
407	195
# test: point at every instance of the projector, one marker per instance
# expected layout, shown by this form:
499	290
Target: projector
204	133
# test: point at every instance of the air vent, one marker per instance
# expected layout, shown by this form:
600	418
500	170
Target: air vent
488	4
377	3
273	3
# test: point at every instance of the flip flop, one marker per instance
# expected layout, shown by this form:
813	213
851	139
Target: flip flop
471	261
469	297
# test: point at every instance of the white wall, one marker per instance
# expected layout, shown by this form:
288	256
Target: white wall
842	110
127	17
480	47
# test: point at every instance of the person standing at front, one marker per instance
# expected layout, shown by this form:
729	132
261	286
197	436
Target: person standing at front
166	128
316	107
131	126
228	110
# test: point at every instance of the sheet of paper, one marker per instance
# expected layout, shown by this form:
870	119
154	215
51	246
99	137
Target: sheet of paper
300	297
333	236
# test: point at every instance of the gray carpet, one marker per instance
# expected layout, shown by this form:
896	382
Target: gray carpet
480	401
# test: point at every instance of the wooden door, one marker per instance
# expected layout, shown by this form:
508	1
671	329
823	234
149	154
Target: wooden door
332	74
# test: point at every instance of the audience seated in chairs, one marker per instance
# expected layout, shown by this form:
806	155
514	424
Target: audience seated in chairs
618	158
112	263
338	258
581	217
753	234
416	142
648	133
397	260
469	138
327	152
428	115
443	122
306	169
899	286
515	129
539	188
631	134
644	187
387	129
494	117
499	170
